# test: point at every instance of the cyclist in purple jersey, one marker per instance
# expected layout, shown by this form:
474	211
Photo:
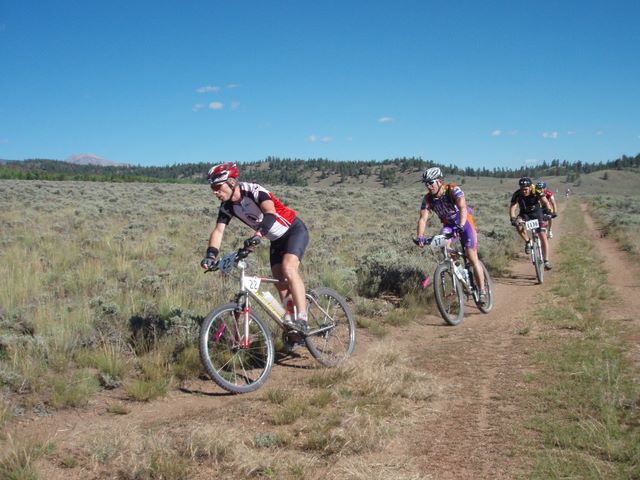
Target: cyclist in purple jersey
448	202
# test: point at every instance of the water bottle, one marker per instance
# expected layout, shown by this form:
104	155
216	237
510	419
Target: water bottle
275	306
465	275
460	271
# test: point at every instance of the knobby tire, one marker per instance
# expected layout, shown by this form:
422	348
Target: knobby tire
449	294
538	262
325	307
234	366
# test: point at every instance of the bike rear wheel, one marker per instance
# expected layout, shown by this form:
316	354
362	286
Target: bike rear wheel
488	288
538	261
328	311
449	294
237	359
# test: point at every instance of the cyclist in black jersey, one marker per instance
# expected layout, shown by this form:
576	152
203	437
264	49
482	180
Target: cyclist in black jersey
531	204
260	210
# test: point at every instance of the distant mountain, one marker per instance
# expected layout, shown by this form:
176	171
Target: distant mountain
91	159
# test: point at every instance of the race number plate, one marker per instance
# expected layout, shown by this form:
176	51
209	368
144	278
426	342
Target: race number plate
252	283
438	242
226	263
532	224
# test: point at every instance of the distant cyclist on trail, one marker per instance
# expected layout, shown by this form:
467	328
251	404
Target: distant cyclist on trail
532	204
448	202
542	186
268	217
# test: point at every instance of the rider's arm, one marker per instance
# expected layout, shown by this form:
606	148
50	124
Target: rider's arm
546	205
215	239
422	221
268	217
461	203
512	210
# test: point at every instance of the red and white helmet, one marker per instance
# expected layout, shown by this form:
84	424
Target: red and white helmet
221	173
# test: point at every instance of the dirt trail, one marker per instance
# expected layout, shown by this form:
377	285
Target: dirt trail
468	432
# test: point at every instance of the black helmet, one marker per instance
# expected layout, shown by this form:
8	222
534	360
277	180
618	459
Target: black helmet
525	182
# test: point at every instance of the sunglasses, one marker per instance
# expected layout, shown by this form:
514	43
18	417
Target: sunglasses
428	183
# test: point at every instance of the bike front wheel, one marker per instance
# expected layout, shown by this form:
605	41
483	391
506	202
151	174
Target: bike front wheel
449	294
237	355
329	313
538	261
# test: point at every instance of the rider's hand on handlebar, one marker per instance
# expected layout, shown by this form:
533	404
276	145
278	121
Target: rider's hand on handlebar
251	243
209	261
420	241
514	221
458	228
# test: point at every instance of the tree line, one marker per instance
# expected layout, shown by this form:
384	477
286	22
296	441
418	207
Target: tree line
294	171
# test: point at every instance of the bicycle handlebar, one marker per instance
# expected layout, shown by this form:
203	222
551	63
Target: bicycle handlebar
241	254
428	240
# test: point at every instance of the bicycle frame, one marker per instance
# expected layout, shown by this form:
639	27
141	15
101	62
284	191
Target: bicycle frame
442	251
250	291
537	258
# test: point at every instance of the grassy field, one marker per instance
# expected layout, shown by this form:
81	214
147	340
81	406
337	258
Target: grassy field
100	287
586	393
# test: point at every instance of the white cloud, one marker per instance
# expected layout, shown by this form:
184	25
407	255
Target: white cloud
235	105
571	132
531	162
599	133
553	135
496	133
198	106
513	133
385	120
316	138
216	106
208	89
233	85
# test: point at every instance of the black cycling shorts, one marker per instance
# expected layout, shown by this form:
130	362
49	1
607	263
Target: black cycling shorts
538	213
295	241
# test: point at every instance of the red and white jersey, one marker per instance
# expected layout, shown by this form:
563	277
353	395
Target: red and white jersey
248	210
549	194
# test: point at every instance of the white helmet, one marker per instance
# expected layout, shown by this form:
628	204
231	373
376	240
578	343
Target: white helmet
431	174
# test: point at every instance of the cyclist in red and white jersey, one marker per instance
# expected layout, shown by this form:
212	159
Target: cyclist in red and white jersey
448	202
542	187
261	211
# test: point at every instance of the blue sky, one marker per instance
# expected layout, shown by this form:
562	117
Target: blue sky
491	83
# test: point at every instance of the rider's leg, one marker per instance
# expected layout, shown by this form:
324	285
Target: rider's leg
285	256
469	241
545	244
288	271
472	253
523	233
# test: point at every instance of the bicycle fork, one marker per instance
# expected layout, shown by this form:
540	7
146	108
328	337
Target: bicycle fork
240	316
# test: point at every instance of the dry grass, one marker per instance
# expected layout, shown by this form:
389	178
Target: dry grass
101	281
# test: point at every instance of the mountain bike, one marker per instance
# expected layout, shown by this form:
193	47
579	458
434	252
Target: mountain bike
454	281
236	346
537	258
